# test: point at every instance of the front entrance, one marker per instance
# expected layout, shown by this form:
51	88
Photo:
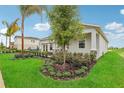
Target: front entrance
45	47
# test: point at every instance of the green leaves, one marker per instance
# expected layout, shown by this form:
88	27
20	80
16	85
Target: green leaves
11	28
65	24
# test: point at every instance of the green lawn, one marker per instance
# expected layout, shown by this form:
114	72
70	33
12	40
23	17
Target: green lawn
108	72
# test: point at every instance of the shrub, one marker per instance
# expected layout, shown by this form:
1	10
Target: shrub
84	67
75	60
45	54
58	74
49	62
76	65
18	56
66	74
31	55
58	57
43	67
93	56
23	55
53	73
18	50
79	71
50	53
50	68
69	57
59	67
86	60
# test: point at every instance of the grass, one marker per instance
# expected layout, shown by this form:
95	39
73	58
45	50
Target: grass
108	72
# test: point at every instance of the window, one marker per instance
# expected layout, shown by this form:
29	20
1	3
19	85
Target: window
51	48
43	47
46	47
33	41
82	44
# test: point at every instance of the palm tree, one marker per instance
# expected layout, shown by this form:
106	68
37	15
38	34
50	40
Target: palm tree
11	29
26	11
6	34
1	34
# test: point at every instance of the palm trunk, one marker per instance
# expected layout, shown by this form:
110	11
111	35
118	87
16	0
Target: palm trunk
6	42
9	41
22	27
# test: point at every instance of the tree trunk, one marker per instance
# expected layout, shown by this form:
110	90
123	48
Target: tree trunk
22	28
64	56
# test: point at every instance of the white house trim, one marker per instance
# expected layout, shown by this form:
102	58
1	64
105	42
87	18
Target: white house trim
93	40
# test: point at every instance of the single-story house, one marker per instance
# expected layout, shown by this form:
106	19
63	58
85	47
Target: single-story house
95	41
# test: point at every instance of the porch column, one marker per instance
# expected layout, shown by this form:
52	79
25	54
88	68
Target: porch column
93	41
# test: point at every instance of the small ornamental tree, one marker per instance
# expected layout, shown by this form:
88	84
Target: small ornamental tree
65	26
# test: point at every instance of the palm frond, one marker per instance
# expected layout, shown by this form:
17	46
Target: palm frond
13	28
4	22
27	10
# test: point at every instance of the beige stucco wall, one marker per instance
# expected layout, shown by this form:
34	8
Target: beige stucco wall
74	46
27	43
103	46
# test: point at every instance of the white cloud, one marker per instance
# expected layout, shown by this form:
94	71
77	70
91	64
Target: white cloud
115	31
120	36
114	36
42	26
117	27
3	37
3	30
122	11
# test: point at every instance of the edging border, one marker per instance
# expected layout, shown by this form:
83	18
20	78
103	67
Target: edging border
1	81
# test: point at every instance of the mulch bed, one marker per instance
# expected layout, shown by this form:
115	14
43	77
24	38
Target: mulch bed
68	68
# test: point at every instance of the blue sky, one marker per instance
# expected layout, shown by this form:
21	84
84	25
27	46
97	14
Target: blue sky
110	18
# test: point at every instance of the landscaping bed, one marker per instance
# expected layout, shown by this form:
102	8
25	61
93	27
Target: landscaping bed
32	54
77	65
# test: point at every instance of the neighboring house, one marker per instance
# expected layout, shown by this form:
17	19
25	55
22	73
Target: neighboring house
12	45
95	41
29	42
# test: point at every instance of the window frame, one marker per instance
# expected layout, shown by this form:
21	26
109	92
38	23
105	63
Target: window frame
33	41
83	44
51	46
44	47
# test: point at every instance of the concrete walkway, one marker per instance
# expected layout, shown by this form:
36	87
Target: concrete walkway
1	81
